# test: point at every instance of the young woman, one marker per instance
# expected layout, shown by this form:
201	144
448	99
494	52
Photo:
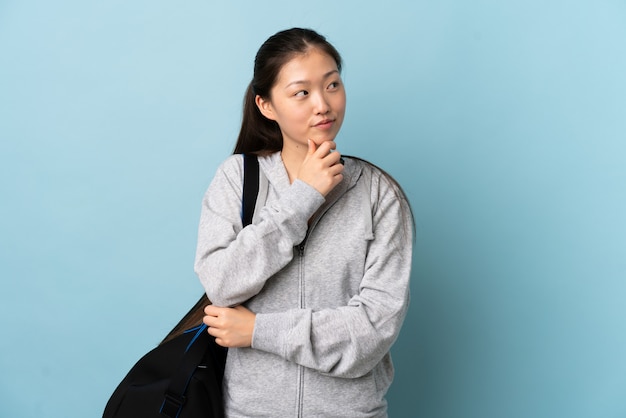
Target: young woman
309	297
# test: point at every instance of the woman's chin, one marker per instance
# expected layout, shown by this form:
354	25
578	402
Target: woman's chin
320	140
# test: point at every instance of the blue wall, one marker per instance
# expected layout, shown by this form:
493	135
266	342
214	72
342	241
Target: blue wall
504	121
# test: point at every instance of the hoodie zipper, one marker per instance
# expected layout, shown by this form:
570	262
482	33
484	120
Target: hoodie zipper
300	248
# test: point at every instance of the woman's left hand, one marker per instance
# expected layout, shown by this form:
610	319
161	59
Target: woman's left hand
231	327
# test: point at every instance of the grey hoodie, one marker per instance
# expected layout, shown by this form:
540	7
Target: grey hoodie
330	298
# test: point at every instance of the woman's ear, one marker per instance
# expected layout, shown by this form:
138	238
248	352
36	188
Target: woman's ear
265	107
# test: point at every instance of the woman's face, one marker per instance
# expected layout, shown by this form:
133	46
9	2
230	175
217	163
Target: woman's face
308	100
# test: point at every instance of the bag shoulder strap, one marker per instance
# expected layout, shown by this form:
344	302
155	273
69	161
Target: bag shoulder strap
249	198
250	188
197	348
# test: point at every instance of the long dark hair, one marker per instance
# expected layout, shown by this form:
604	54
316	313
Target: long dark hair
259	135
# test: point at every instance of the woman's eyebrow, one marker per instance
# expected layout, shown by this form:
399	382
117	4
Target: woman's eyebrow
328	74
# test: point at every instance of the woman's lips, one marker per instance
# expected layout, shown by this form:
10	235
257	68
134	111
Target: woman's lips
325	124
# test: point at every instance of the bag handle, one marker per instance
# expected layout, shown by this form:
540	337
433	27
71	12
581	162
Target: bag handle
250	188
248	202
201	342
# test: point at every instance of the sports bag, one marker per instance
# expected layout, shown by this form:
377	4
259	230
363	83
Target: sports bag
182	376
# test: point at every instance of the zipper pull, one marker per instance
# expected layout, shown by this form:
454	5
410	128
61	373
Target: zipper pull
301	249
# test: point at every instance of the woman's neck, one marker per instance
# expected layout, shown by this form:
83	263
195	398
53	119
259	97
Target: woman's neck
292	159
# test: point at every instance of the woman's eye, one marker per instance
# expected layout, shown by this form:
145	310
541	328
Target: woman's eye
302	93
333	85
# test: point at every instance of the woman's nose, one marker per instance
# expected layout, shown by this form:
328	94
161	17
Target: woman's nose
321	105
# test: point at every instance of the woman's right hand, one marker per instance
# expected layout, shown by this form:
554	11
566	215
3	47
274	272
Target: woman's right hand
231	327
321	168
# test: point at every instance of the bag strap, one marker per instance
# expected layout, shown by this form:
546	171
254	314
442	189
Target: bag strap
175	394
253	185
250	188
200	343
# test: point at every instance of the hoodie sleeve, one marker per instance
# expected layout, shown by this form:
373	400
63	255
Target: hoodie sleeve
350	340
267	245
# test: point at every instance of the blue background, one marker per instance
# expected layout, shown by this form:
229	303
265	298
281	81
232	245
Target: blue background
504	121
